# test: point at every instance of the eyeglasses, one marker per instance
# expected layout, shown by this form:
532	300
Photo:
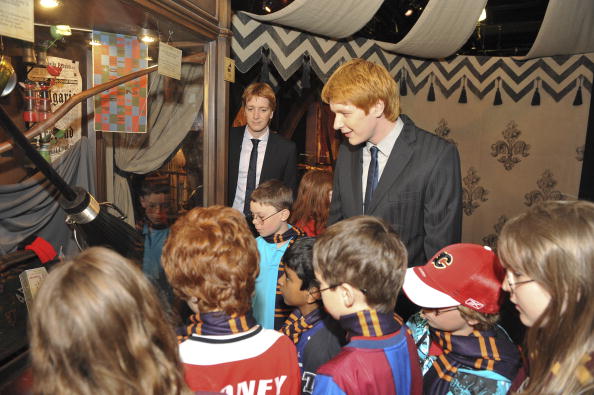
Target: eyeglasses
440	310
512	285
255	218
319	291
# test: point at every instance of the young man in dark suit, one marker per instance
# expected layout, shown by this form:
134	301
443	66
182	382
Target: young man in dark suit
256	154
389	168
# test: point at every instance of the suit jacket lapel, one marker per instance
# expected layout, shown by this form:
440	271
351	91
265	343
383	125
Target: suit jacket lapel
357	171
401	154
269	157
235	140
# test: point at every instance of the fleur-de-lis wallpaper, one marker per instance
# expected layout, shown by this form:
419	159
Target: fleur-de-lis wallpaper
513	154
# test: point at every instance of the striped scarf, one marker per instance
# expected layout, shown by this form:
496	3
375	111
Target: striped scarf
296	324
281	309
370	323
291	234
481	350
216	323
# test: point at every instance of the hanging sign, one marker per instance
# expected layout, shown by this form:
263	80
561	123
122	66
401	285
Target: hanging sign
16	19
170	61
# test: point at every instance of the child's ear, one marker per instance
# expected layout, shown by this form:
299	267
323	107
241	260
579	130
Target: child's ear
313	295
347	294
285	215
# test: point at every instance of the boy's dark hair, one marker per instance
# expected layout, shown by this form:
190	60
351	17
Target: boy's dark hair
273	193
366	253
150	187
299	258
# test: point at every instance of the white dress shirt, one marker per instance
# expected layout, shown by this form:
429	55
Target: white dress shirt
384	150
244	163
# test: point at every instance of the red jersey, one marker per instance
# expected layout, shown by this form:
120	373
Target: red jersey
259	361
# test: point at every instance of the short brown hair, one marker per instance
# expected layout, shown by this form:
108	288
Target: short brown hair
485	321
261	89
363	83
366	253
273	193
211	255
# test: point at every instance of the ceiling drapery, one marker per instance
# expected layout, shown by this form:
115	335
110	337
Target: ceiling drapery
330	18
556	77
567	28
442	29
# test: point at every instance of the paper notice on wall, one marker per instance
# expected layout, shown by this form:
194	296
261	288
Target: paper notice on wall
66	82
170	59
16	19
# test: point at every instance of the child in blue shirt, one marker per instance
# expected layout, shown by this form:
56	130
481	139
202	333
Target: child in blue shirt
270	206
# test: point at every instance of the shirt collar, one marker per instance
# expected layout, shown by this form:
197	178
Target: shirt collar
387	143
248	136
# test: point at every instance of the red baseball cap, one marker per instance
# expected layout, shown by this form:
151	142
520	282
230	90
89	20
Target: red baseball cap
459	274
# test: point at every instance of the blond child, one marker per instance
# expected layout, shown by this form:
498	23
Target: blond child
97	327
270	208
548	253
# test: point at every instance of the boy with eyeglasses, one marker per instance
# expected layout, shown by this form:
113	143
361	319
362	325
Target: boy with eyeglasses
360	264
270	206
317	336
461	347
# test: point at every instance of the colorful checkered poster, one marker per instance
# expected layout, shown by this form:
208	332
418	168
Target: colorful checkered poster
123	108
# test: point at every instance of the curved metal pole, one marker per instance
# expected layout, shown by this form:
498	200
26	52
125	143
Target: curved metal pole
40	127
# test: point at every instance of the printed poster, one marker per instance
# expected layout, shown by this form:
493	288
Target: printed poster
66	82
123	108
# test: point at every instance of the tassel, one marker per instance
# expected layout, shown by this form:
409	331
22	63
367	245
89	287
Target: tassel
578	95
536	97
265	70
305	80
463	98
497	101
403	90
431	94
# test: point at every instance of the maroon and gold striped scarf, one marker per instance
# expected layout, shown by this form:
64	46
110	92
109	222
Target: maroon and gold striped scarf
296	324
481	350
370	323
216	323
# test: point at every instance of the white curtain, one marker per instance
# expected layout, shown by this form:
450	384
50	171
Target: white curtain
331	18
567	28
442	29
171	113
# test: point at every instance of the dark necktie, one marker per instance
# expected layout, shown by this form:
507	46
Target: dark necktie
372	178
251	176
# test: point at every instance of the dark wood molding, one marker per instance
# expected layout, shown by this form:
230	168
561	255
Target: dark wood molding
187	14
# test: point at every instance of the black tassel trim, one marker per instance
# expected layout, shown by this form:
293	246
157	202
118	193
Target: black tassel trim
578	95
431	94
403	88
497	101
463	98
536	96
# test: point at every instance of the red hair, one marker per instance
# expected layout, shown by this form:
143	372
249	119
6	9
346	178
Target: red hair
313	200
211	255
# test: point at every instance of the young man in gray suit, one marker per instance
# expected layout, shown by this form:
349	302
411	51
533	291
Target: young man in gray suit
390	168
256	154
